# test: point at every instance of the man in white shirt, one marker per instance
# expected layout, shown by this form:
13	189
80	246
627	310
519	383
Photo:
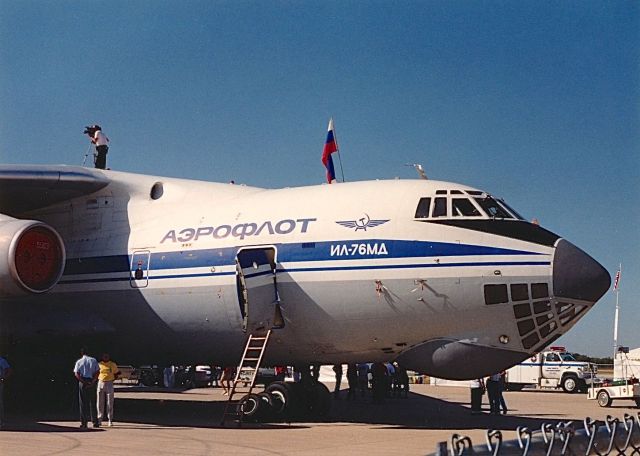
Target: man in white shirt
86	371
100	140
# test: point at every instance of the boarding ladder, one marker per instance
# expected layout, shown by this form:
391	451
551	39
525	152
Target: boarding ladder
246	375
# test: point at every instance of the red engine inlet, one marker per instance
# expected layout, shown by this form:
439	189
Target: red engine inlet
32	257
38	258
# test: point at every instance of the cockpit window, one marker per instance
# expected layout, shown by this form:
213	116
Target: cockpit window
422	211
440	207
463	204
492	208
463	207
510	209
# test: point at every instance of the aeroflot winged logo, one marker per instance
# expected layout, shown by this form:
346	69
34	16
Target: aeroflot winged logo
362	223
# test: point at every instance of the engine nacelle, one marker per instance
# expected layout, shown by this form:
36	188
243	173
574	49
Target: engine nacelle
32	257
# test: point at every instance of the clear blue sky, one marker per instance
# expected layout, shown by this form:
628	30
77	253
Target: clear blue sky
535	101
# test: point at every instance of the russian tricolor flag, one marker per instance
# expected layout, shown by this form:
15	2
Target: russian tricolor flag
330	146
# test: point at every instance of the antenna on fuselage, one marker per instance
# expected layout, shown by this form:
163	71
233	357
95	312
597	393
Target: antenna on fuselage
418	168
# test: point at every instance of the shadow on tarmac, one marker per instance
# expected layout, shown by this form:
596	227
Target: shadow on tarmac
415	412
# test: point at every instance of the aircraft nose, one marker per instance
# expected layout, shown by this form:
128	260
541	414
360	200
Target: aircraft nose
576	275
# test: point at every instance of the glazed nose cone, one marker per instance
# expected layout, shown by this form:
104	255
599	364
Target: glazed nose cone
576	275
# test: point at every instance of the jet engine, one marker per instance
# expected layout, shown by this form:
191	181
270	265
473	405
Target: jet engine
32	257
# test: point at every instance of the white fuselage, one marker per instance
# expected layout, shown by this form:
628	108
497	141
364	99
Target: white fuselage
358	276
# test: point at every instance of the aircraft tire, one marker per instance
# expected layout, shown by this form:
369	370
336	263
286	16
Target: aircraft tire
250	406
319	400
266	407
284	400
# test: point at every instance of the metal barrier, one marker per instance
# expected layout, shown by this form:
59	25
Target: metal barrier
601	438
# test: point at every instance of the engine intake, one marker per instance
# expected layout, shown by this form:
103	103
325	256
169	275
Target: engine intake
32	257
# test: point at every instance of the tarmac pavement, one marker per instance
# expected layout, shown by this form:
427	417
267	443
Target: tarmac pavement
161	422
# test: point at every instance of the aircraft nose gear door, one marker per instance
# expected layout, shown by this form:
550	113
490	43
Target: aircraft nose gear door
258	289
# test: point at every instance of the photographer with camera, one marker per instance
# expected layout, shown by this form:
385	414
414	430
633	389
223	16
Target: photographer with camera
100	140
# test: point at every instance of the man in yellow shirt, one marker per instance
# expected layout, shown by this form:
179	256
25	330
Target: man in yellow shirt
108	373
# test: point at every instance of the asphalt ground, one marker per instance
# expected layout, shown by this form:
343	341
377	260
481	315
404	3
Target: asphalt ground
161	422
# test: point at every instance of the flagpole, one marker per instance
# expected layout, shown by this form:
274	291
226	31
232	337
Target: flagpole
615	321
335	138
340	160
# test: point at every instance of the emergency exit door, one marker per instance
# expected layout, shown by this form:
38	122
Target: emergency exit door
139	269
258	289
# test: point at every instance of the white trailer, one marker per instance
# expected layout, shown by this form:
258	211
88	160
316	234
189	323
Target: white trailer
605	394
555	368
625	384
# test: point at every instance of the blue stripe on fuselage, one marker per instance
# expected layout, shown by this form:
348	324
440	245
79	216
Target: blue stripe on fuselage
294	252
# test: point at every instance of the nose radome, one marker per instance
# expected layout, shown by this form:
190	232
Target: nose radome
576	275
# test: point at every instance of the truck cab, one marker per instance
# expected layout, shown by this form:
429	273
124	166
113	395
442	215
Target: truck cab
554	368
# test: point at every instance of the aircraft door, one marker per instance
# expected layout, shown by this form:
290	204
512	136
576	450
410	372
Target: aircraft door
139	269
258	289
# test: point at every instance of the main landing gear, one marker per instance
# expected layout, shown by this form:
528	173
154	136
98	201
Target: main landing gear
287	401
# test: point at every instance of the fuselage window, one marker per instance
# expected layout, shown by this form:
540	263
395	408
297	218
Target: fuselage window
495	294
440	207
463	207
539	290
492	208
422	211
519	292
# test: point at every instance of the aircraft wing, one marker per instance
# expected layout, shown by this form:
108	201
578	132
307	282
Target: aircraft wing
27	187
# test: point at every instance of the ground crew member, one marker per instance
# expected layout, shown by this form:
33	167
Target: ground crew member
108	373
86	371
100	140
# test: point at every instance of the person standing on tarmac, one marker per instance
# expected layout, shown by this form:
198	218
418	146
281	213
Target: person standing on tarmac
502	387
493	390
477	391
100	140
337	369
86	371
5	373
352	379
108	373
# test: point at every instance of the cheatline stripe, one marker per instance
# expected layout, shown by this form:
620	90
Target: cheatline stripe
294	252
319	269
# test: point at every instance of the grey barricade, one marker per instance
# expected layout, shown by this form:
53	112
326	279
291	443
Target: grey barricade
610	437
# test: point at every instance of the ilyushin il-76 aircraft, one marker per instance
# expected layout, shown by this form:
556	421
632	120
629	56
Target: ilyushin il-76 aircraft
441	277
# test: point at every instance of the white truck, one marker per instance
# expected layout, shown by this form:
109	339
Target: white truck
554	368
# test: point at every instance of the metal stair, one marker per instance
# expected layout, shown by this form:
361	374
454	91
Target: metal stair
246	375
